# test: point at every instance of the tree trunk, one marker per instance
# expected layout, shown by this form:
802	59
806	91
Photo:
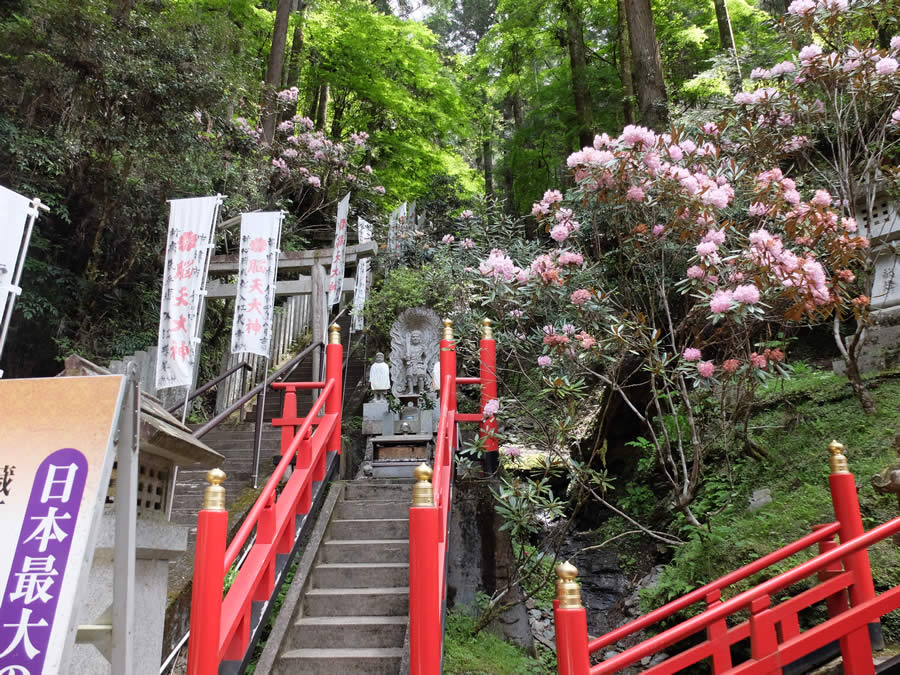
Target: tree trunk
578	64
851	364
322	107
275	68
725	41
313	104
648	77
487	160
294	64
123	10
625	66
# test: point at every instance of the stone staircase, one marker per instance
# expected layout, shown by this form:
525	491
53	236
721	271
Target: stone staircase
353	610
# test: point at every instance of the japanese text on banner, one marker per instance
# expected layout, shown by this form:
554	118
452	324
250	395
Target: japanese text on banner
251	331
336	277
191	225
364	229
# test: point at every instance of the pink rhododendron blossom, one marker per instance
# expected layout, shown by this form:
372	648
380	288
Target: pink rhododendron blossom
568	329
758	209
516	313
801	7
821	198
512	451
545	268
675	153
498	265
315	181
716	237
552	196
635	194
587	340
846	275
746	294
887	66
731	365
706	368
467	243
544	361
895	116
580	297
783	68
849	224
286	126
637	137
570	258
706	248
280	164
523	276
720	302
760	74
710	129
695	272
758	360
688	145
466	215
491	408
659	230
448	239
559	233
380	189
895	43
367	169
692	354
810	52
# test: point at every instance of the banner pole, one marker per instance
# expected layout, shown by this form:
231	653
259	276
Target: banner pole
14	288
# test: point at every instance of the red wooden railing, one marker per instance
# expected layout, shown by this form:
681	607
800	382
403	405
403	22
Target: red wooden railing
776	640
429	516
221	626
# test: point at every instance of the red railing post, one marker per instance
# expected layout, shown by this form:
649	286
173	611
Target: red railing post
763	638
715	632
572	655
425	629
334	363
487	431
856	648
209	577
289	412
448	366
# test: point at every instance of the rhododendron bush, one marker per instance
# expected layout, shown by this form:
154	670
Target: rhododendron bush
308	168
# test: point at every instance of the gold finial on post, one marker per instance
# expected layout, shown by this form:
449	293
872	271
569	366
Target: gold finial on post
838	459
487	329
214	495
334	334
568	592
448	329
423	493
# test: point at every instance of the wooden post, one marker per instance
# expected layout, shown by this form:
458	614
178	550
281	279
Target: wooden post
319	313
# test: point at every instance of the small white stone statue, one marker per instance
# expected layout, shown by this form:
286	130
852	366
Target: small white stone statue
379	377
436	376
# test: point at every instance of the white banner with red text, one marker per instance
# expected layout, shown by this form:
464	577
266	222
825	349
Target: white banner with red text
336	276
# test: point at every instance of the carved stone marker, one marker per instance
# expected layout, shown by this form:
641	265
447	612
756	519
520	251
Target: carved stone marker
415	348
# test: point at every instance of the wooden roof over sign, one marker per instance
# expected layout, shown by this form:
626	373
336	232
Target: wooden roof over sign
161	432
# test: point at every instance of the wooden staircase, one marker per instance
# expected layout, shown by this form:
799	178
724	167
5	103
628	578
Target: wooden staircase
353	610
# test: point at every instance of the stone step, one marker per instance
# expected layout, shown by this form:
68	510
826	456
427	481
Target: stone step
372	661
335	632
371	509
397	492
388	601
360	575
393	528
366	551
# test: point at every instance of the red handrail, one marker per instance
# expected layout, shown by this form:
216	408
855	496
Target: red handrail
429	516
774	632
221	627
664	612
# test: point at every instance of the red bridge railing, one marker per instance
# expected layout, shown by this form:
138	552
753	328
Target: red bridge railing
221	626
844	584
429	516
